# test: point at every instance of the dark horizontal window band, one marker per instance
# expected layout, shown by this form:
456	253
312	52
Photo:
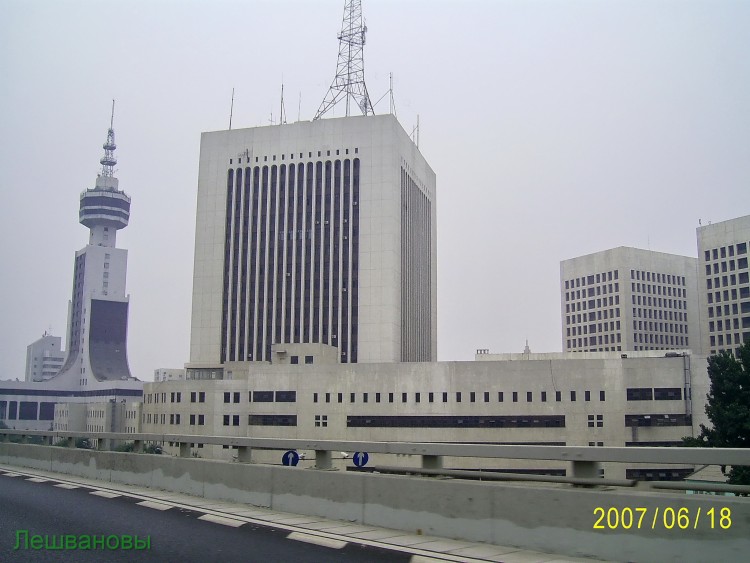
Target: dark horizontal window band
96	211
659	474
49	393
667	394
655	444
262	396
286	396
272	420
658	420
545	421
97	201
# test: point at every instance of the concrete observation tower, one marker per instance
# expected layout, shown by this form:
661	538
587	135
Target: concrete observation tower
98	309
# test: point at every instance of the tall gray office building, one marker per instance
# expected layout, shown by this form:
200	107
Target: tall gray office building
629	299
724	292
317	232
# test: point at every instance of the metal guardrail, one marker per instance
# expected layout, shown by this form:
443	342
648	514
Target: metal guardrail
584	460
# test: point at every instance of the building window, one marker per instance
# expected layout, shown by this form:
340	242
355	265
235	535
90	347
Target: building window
601	396
558	396
472	397
294	360
321	420
403	397
364	397
515	396
544	396
227	397
235	420
458	396
499	396
486	396
587	395
528	396
308	359
572	396
639	394
226	420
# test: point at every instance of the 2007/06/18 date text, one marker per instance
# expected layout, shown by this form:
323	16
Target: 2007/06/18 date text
667	518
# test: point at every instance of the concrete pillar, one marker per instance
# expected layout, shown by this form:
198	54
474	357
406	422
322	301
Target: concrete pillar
184	449
244	453
323	459
584	469
432	462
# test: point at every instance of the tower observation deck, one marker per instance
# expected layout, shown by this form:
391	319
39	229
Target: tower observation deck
105	208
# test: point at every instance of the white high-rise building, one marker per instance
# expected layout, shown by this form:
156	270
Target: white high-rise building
314	232
98	309
44	358
724	291
629	299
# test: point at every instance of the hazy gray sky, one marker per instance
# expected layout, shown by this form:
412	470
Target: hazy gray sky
556	128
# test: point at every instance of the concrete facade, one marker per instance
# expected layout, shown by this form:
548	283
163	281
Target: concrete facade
44	358
559	520
169	374
629	299
605	401
724	294
314	232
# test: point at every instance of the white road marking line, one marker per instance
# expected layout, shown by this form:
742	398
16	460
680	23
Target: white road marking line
12	474
66	486
221	520
37	480
105	494
317	540
423	559
154	505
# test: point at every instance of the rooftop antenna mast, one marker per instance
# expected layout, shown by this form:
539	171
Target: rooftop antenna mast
349	82
108	161
282	110
231	110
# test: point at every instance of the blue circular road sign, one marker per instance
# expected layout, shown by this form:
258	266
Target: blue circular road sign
290	458
360	458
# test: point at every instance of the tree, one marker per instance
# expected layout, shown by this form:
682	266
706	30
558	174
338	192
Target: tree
728	408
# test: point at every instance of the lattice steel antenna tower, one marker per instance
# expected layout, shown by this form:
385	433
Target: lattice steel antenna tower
350	70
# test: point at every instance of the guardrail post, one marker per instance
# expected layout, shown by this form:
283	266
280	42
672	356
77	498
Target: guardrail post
585	469
323	459
184	449
138	446
432	462
244	453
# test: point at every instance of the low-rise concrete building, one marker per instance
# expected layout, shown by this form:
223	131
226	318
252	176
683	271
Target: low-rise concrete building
614	399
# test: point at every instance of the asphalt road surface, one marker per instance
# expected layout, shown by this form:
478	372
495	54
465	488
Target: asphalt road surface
43	507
